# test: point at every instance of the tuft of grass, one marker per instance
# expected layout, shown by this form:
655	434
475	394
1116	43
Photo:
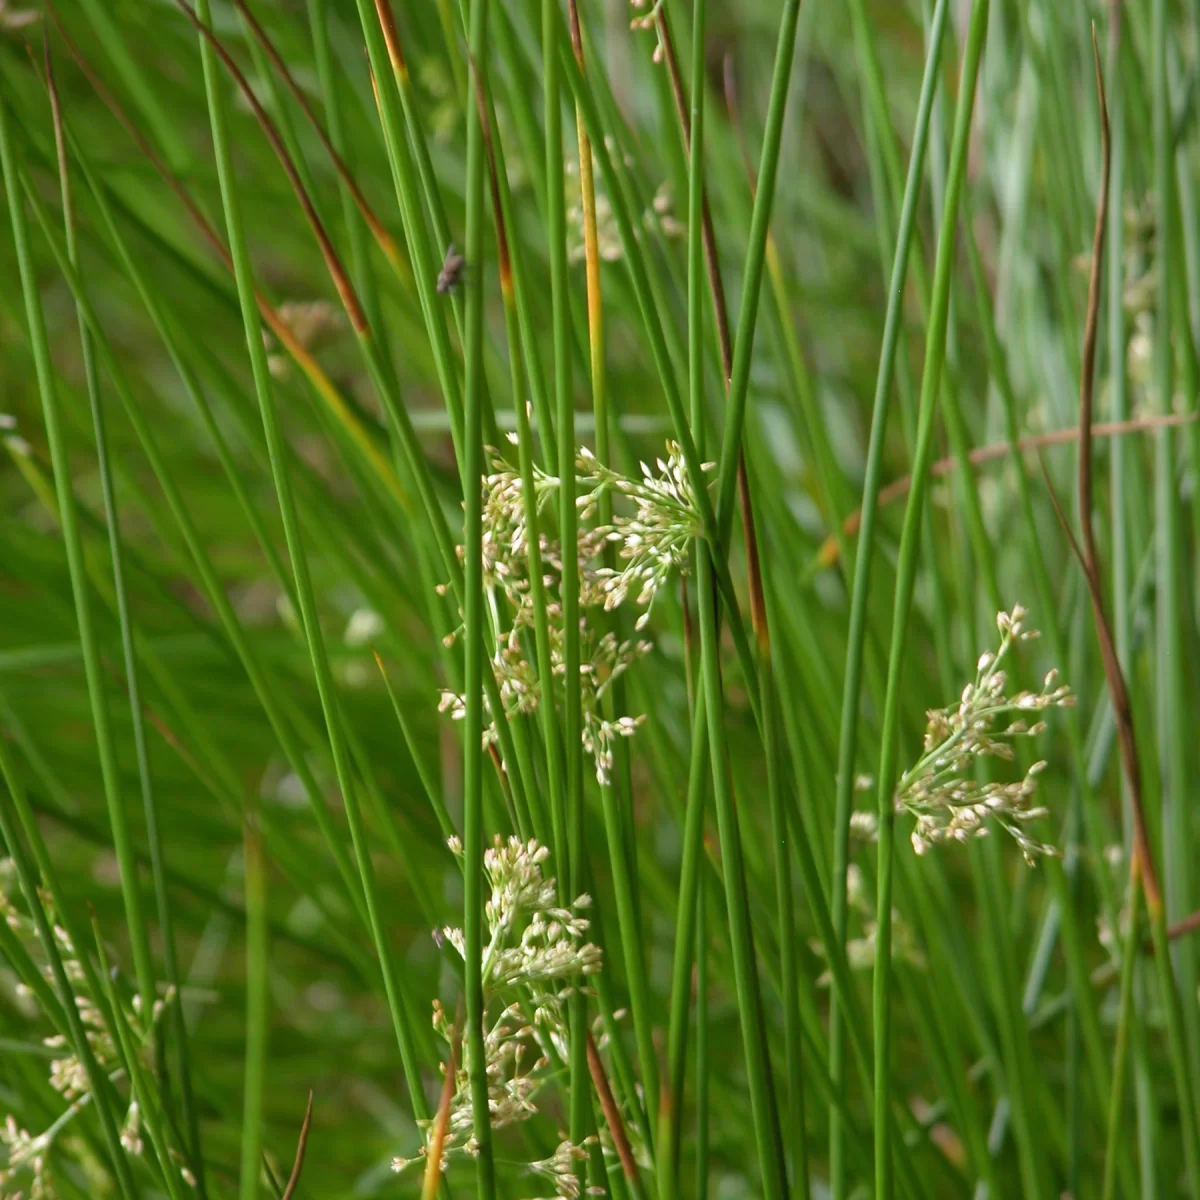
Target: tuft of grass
448	684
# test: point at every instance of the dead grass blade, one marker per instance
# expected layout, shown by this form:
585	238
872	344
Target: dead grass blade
301	1146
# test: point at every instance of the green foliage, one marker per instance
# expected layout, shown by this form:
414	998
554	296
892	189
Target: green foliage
376	639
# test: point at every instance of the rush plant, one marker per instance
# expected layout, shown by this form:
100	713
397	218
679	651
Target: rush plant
502	503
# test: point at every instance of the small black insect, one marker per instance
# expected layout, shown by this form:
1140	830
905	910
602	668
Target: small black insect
452	270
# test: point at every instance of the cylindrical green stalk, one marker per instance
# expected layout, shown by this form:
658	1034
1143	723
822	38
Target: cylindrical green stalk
475	618
905	583
1116	1104
852	677
257	1007
305	592
758	1068
132	683
580	1109
702	1104
691	898
1168	643
623	865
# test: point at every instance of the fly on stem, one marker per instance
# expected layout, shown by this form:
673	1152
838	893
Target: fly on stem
453	268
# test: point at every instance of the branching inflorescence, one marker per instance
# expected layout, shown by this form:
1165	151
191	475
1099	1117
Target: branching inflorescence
941	790
652	542
27	1156
535	959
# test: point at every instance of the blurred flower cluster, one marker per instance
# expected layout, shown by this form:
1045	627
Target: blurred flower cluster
860	951
27	1155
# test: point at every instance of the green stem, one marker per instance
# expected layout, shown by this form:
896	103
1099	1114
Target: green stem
476	620
132	683
572	822
856	643
905	582
690	901
749	997
1170	704
305	592
1125	1017
77	568
257	1005
702	1083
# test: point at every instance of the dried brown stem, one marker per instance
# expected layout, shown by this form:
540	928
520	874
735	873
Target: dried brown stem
712	263
113	105
441	1122
899	488
504	260
758	606
278	326
1142	865
301	1146
387	23
381	235
612	1114
1183	926
729	84
341	280
1126	737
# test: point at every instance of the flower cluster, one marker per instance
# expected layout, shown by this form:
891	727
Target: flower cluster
13	20
646	20
659	215
561	1169
535	955
9	436
650	541
940	791
860	951
27	1155
312	323
654	541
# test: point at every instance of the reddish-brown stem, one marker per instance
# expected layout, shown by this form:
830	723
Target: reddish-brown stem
341	280
270	314
1142	864
387	23
712	263
301	1146
381	235
1184	926
437	1135
489	150
999	450
758	607
1126	737
612	1114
